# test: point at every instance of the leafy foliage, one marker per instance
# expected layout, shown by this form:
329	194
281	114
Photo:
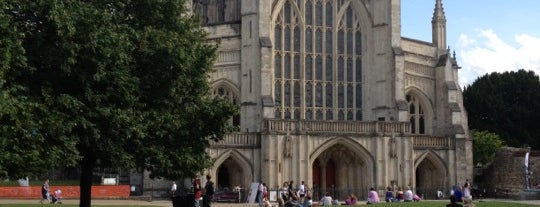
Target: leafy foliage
507	104
485	146
105	84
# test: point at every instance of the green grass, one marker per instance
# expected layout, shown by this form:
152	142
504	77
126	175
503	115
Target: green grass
63	205
443	204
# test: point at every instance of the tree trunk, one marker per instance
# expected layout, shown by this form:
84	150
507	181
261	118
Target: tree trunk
87	166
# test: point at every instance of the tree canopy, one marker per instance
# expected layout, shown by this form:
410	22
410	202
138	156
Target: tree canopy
105	84
485	146
507	104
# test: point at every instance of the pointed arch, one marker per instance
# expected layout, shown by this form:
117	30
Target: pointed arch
279	6
226	89
243	163
431	174
223	82
420	94
356	148
434	157
420	111
360	9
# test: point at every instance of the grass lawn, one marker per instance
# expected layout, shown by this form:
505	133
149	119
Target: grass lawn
443	204
63	205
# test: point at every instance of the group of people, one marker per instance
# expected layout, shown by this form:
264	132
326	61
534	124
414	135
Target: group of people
400	195
199	194
461	194
48	195
301	197
290	197
467	202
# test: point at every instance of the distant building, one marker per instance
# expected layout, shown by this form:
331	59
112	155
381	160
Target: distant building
331	94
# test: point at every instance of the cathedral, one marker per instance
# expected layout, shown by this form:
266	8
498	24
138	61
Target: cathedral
331	94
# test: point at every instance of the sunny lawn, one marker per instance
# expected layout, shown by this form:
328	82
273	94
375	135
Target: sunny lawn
443	204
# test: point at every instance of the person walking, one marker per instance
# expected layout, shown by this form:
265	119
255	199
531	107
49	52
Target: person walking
260	193
45	191
173	189
197	192
208	192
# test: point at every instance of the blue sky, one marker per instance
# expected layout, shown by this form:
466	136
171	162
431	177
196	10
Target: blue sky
487	35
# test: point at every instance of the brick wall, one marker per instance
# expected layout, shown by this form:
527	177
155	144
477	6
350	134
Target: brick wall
103	191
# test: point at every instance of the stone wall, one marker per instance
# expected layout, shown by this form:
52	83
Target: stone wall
505	178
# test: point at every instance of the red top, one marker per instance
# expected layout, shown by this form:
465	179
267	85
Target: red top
197	189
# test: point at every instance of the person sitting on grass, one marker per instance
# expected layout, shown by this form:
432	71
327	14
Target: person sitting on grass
373	196
467	202
453	202
351	200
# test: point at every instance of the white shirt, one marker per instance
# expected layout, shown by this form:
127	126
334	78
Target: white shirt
467	192
408	195
301	189
173	188
326	201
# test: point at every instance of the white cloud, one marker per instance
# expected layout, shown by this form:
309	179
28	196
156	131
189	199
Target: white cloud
484	52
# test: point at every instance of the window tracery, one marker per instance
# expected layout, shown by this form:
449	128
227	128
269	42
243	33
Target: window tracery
416	115
227	94
317	61
217	11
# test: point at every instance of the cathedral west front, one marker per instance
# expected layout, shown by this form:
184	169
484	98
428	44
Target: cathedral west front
331	94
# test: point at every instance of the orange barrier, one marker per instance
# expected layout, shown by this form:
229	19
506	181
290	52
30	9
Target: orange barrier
101	191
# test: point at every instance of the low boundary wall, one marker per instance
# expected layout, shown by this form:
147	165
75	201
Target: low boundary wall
101	191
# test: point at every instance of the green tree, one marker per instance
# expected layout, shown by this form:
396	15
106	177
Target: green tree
507	104
106	84
485	146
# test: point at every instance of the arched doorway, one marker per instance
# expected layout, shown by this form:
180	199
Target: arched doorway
224	177
340	170
231	169
430	176
230	174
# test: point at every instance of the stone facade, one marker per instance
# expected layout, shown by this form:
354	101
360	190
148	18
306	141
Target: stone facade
330	93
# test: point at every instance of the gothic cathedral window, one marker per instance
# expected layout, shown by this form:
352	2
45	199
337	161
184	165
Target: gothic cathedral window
317	61
217	11
225	93
416	115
